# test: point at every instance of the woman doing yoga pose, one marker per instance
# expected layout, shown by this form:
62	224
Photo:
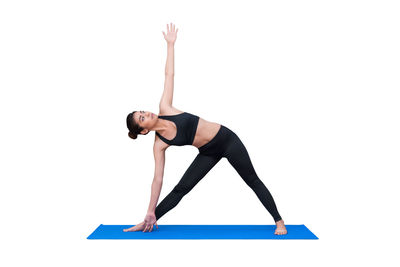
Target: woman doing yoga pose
213	140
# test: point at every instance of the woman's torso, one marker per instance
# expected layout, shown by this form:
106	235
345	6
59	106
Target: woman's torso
205	131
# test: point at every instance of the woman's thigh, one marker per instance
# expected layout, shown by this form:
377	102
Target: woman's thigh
200	166
239	158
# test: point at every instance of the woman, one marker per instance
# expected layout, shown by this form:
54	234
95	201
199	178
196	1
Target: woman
213	140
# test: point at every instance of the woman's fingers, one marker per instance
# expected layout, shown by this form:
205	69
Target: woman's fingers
171	27
148	228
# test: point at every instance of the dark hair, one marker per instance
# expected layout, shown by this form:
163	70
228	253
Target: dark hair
134	128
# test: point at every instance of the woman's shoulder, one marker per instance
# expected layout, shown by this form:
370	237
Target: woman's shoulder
169	111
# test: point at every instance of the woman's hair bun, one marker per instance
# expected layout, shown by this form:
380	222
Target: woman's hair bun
132	135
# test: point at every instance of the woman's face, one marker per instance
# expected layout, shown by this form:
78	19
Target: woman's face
145	119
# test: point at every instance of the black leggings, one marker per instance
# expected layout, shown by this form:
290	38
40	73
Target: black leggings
225	144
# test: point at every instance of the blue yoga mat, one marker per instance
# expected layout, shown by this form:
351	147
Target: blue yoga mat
203	232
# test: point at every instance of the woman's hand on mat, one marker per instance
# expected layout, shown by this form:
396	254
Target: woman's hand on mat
170	37
150	220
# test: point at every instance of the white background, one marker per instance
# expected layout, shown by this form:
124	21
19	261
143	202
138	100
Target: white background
310	87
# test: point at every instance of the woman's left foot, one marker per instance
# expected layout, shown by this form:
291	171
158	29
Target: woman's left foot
280	228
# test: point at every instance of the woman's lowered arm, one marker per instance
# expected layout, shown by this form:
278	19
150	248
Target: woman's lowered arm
150	219
168	93
159	161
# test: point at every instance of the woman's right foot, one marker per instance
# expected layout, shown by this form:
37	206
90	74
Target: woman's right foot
280	228
138	227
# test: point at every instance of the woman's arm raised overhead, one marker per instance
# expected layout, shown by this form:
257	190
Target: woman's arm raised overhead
168	93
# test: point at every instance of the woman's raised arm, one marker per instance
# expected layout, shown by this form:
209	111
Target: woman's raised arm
168	93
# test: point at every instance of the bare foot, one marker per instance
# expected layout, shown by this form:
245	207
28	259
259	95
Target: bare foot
280	228
138	227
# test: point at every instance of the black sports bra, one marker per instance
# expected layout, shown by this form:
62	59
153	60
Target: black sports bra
186	126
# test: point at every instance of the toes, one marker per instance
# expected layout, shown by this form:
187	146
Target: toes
280	232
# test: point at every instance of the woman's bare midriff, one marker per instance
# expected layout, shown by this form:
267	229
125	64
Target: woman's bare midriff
205	132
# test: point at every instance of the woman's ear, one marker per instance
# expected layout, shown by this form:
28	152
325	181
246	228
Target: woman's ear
144	132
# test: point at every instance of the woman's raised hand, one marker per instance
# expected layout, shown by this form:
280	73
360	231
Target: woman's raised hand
170	37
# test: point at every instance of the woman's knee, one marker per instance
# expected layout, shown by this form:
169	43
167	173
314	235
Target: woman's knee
181	189
252	180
